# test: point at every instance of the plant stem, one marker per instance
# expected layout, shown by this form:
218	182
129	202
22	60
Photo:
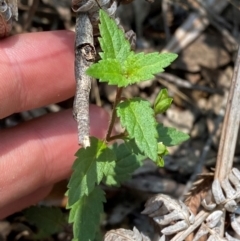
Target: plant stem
229	133
230	126
113	116
118	136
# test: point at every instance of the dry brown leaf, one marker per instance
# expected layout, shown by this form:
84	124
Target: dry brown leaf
198	191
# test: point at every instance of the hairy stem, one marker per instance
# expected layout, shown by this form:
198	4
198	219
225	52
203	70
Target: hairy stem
114	114
118	136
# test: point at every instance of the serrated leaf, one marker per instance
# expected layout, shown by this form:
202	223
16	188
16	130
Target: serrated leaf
120	66
137	116
137	68
48	220
88	169
140	67
170	136
113	42
85	215
109	69
128	159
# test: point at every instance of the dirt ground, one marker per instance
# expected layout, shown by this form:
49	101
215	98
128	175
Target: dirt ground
206	38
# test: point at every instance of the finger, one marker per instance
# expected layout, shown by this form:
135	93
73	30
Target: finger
25	201
41	152
36	69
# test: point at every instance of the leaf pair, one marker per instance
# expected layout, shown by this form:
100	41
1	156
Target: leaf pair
95	164
119	65
137	116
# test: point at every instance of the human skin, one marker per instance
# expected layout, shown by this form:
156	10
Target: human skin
37	69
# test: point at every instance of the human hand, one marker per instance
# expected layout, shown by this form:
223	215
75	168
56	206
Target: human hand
36	70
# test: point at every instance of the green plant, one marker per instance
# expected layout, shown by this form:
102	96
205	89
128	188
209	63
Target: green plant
143	136
47	220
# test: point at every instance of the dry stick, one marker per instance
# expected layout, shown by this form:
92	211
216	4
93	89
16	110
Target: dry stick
229	131
230	126
84	56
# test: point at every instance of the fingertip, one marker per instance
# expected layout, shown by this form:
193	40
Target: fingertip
36	69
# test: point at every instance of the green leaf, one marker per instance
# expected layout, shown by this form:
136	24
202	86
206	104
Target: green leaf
48	220
137	117
140	67
170	136
88	169
85	215
128	159
162	102
119	65
113	42
137	67
109	69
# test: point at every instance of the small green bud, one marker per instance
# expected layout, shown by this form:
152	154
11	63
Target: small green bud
160	162
162	149
162	102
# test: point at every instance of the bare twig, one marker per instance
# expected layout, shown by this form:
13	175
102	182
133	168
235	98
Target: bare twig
86	27
229	131
230	126
84	57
